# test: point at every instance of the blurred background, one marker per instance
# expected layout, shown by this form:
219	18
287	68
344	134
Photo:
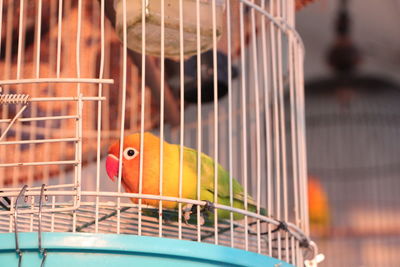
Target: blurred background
352	77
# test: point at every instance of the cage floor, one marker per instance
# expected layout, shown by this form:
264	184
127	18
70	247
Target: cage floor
107	220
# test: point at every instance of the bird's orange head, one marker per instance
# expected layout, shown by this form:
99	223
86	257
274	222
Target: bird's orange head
130	162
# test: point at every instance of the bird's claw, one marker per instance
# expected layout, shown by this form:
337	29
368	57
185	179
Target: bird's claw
187	211
209	206
202	220
186	216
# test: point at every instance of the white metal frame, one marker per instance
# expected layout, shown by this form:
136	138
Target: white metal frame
262	81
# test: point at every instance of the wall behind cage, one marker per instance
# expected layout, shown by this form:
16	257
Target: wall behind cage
353	151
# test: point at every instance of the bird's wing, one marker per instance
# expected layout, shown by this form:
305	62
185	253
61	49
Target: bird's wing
207	176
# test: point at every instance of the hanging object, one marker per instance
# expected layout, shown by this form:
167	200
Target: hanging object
343	56
207	77
153	11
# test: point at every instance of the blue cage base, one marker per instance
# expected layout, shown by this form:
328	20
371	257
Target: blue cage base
98	250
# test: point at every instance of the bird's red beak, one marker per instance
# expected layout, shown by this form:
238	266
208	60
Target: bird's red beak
112	166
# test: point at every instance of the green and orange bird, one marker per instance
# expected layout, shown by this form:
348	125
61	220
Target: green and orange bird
170	185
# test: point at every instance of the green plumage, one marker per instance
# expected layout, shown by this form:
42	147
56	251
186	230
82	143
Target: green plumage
207	185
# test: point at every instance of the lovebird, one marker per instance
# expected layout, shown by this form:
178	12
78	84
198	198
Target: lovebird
318	207
151	176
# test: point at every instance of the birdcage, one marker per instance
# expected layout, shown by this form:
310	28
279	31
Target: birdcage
182	104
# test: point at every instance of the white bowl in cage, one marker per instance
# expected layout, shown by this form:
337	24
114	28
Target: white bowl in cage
153	29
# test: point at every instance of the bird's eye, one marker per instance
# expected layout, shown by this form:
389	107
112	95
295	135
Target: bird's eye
130	153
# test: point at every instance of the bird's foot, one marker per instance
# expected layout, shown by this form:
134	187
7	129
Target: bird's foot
202	220
208	207
187	211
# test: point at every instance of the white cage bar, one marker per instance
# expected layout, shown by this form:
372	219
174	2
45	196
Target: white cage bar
71	87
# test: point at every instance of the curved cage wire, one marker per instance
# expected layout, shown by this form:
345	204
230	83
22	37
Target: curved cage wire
206	75
356	119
